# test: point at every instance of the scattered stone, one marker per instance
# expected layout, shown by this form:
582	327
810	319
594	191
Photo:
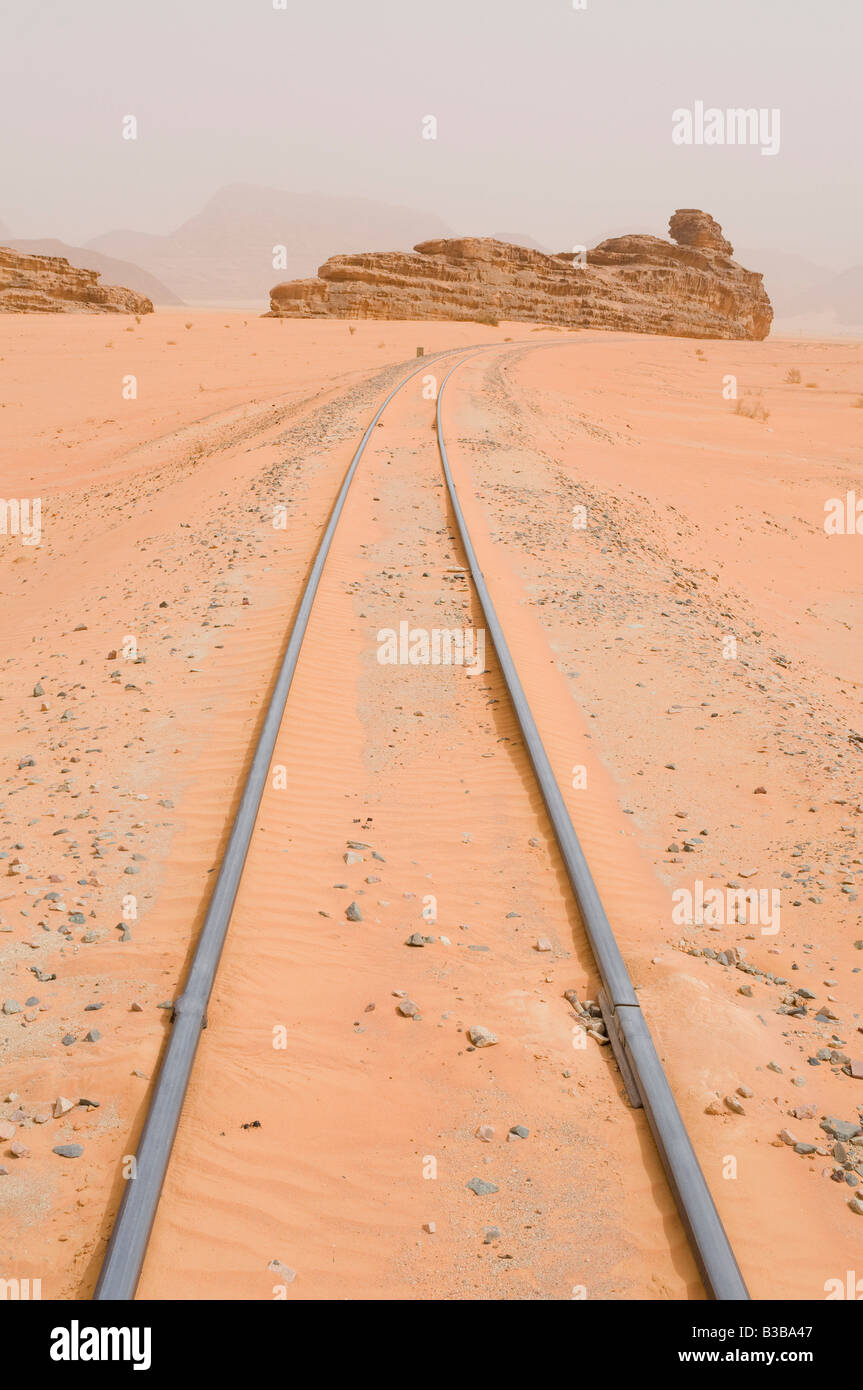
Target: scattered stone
543	944
429	1228
353	913
407	1008
481	1037
285	1273
62	1106
840	1129
490	1234
518	1132
7	1131
481	1187
788	1138
485	1132
733	1104
69	1150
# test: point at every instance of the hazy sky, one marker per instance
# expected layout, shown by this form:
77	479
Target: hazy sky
552	121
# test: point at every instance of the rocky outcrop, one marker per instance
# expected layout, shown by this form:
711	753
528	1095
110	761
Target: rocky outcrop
50	285
686	288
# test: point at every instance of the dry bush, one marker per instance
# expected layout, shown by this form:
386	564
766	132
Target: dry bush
753	408
793	377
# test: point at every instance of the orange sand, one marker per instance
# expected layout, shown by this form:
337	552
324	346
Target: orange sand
367	1119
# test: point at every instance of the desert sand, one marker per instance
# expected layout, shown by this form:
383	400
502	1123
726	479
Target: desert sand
323	1129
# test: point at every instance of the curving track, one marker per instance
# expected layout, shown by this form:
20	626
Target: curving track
633	1047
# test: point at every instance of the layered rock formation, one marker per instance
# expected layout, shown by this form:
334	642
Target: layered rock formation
686	288
50	285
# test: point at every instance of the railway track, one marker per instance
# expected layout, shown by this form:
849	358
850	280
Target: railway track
641	1069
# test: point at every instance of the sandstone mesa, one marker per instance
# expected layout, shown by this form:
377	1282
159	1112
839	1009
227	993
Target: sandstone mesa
50	285
688	287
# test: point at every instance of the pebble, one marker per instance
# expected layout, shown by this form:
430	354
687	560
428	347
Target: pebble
429	1228
353	913
62	1106
285	1273
7	1131
481	1037
518	1132
484	1132
69	1150
490	1234
481	1187
733	1104
407	1008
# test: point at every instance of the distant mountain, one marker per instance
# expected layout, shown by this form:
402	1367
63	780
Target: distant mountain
113	272
786	276
520	239
225	252
840	295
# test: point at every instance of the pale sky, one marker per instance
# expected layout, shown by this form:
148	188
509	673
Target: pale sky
552	121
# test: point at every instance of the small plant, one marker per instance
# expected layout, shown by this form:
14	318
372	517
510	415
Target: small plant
752	407
351	329
793	377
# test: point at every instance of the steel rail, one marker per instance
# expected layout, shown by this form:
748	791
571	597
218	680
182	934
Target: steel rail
627	1028
124	1257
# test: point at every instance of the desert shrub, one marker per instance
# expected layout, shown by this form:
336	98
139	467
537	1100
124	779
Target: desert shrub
793	377
752	407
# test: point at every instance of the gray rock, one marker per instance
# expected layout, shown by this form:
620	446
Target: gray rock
840	1129
481	1187
69	1150
490	1234
353	913
285	1273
